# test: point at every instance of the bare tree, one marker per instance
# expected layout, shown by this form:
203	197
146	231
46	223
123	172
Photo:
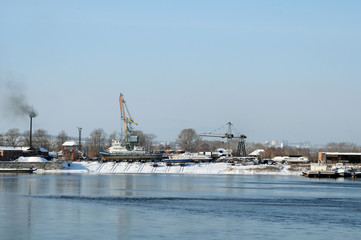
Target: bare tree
148	144
42	139
204	146
2	140
217	144
250	147
53	144
188	139
26	138
12	137
286	151
96	140
340	147
145	140
112	136
60	139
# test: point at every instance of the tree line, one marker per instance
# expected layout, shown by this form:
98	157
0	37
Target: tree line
187	140
91	145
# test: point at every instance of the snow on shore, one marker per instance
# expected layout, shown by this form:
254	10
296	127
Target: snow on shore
189	168
31	159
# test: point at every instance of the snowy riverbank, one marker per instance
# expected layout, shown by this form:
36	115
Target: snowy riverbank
189	168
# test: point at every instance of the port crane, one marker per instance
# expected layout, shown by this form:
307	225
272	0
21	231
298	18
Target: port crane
241	148
128	121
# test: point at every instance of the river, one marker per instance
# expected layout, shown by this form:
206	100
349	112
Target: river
160	206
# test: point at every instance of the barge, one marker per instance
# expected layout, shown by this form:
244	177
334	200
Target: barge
17	170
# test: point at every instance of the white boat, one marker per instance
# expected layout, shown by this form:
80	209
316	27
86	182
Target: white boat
182	157
320	171
202	156
219	152
188	157
119	152
291	159
341	170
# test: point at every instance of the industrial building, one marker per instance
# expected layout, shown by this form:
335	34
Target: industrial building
335	157
70	151
10	153
13	153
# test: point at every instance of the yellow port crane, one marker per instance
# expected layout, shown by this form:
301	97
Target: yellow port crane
127	121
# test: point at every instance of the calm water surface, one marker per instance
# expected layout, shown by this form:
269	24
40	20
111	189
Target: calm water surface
82	206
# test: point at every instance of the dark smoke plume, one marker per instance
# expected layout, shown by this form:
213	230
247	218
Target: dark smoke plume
15	103
19	107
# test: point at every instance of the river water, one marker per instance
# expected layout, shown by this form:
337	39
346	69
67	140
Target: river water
155	206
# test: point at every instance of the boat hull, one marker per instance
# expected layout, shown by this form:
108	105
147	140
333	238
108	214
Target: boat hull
124	156
321	174
356	174
180	160
15	170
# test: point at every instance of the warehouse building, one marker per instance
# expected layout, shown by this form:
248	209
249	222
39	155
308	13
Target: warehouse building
10	153
335	157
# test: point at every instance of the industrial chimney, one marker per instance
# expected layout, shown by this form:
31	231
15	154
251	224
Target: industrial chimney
31	115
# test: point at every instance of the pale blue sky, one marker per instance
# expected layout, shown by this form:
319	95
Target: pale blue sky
275	69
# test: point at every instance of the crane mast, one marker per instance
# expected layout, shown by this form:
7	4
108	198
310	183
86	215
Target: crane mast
127	120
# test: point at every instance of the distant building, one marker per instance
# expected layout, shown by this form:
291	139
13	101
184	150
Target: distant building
70	151
13	153
256	153
10	153
335	157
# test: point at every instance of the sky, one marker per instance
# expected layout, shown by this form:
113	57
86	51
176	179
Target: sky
277	70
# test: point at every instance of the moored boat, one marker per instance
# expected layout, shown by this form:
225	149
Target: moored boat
177	158
291	159
341	170
127	150
356	174
320	171
17	170
119	152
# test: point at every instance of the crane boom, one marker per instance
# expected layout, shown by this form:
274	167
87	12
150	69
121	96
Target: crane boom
217	135
127	121
229	135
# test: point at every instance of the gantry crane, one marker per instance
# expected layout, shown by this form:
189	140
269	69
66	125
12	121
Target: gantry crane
241	148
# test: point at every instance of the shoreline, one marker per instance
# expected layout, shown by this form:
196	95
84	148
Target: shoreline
162	168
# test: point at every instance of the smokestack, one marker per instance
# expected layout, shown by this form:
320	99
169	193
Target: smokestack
31	131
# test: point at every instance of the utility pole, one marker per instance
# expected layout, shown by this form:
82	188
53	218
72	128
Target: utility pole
79	129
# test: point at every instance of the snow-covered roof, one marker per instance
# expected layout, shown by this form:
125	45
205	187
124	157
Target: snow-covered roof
43	150
10	148
256	152
31	159
70	143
